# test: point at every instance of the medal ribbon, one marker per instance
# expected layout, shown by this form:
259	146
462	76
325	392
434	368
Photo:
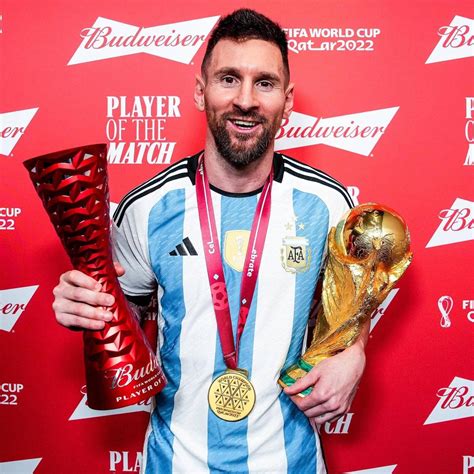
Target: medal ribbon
214	266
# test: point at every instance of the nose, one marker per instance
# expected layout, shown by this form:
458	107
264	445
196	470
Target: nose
246	99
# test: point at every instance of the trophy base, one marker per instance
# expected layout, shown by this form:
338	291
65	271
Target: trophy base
295	372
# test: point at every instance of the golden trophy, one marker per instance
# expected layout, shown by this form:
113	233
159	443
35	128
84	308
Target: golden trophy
368	252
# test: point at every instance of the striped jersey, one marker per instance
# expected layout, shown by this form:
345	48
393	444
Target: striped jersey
158	242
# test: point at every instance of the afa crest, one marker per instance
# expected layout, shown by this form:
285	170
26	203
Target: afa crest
295	254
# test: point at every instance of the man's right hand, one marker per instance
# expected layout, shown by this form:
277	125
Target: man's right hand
79	302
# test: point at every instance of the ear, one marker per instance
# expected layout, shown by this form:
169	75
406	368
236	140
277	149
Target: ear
199	93
289	95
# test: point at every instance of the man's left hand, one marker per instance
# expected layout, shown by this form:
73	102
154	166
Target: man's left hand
334	381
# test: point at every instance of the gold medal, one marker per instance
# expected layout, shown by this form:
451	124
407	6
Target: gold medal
231	395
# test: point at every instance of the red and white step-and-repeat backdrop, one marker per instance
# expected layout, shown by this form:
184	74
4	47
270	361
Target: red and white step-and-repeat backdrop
384	102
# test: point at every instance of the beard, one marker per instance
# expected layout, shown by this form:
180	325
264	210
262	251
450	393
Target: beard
245	148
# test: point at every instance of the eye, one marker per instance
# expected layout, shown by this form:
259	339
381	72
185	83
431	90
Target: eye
228	81
265	85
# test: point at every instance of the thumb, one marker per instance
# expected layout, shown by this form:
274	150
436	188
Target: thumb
303	383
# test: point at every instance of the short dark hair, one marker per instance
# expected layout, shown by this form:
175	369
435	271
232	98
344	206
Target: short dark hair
243	25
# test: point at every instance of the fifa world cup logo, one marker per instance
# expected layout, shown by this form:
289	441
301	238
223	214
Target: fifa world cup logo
445	305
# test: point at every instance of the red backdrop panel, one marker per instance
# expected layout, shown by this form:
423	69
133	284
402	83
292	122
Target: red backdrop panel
384	102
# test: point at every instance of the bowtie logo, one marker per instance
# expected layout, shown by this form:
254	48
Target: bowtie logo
358	133
456	41
445	305
12	128
457	224
110	39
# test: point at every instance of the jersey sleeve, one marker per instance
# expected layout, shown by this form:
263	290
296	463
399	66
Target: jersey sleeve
341	206
130	245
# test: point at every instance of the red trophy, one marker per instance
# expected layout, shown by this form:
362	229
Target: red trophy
121	368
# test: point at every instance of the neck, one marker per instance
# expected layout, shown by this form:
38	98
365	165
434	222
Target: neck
226	177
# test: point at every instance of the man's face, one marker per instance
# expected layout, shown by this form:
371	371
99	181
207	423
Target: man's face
245	96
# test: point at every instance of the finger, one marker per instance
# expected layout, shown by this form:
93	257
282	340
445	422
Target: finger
82	310
325	418
77	278
319	410
119	269
72	321
309	401
334	417
303	383
83	295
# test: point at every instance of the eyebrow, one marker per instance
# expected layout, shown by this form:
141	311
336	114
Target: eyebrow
264	75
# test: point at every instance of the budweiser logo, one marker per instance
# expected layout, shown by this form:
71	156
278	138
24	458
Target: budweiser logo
12	304
83	411
457	224
375	470
12	128
358	133
25	466
110	39
125	375
456	41
455	401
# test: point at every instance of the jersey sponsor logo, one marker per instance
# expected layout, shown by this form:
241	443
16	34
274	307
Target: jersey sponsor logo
185	248
123	461
375	470
456	41
457	224
295	254
357	133
108	38
469	132
455	402
12	128
12	304
235	248
22	466
380	311
83	411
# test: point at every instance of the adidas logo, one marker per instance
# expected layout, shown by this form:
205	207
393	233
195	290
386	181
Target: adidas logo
185	248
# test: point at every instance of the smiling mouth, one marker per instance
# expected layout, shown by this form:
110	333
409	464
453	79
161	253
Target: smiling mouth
246	125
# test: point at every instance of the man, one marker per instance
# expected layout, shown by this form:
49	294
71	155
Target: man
188	229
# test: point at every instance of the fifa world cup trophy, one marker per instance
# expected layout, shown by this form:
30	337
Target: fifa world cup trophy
368	252
121	368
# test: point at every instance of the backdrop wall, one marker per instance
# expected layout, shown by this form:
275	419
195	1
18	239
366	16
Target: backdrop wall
384	102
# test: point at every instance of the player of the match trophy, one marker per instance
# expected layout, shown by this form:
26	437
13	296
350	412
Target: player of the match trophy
121	368
368	252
